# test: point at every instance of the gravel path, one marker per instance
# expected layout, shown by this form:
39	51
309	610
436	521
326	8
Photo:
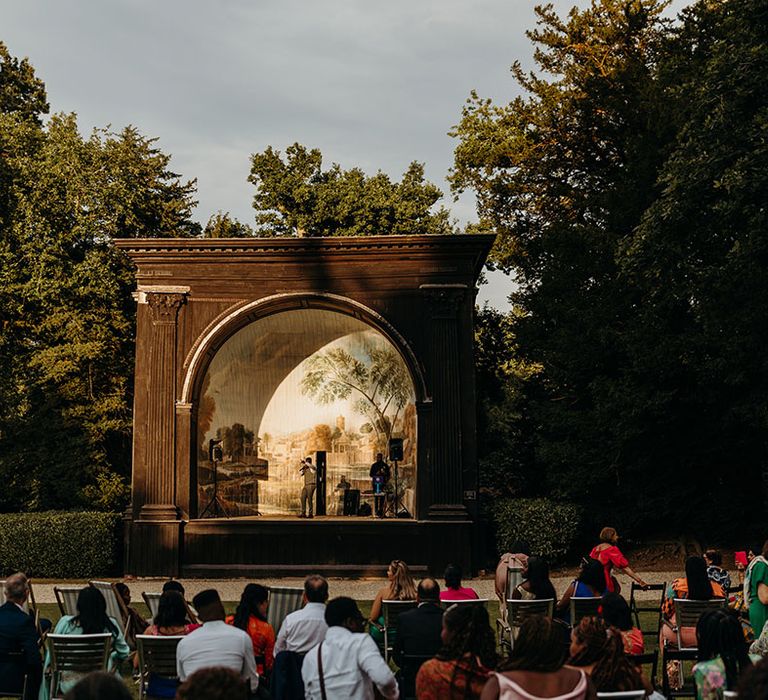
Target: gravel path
359	589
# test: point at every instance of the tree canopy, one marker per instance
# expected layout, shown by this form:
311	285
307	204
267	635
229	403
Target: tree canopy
628	188
296	197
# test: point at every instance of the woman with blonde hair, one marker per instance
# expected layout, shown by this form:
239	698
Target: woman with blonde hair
400	586
610	556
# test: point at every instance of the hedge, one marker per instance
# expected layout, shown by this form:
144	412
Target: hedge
550	528
60	544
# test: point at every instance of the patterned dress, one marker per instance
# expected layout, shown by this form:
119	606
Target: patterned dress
710	678
444	680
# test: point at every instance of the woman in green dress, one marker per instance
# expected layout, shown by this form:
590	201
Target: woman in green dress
756	589
91	618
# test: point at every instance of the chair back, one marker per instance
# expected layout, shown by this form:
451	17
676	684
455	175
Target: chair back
583	607
688	612
77	653
464	603
514	577
651	658
115	605
652	605
157	656
152	601
392	609
517	613
282	601
66	597
624	695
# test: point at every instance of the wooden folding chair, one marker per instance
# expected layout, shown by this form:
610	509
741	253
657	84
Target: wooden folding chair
116	607
77	653
655	608
157	658
392	609
283	600
152	601
517	612
66	597
651	658
584	607
668	654
688	612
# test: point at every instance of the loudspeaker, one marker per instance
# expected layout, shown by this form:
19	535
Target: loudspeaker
320	463
351	501
396	449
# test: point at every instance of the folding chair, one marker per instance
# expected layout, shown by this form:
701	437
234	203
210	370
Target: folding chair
392	609
77	653
645	659
667	655
636	609
157	658
116	607
152	601
407	674
282	601
688	612
624	695
66	597
465	603
583	607
9	692
517	612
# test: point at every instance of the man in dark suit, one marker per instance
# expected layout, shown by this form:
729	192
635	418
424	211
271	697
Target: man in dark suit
19	652
418	633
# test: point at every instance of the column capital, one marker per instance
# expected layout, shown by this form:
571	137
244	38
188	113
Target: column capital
164	306
444	299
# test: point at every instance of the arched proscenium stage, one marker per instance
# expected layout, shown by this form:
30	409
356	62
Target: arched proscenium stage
227	329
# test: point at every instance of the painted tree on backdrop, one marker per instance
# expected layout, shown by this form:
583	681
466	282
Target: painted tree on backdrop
296	197
629	193
66	339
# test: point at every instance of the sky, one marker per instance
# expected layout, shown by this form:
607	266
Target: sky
371	84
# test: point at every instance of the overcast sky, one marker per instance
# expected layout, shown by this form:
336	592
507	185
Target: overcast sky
372	84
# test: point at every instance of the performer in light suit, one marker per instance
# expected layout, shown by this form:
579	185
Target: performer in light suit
309	472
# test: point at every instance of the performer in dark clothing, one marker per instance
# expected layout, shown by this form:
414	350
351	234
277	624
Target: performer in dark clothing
379	478
19	655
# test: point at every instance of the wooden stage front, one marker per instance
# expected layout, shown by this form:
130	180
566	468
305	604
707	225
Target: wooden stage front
331	545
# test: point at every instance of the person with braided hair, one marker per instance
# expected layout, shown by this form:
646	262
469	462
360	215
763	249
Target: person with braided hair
722	653
536	670
598	649
461	667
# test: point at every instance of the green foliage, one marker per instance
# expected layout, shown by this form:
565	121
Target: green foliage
628	186
296	196
222	225
550	528
67	315
110	493
60	545
22	93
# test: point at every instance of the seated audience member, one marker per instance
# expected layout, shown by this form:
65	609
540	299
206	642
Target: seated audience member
251	617
91	618
590	583
755	588
461	667
616	613
400	586
215	683
753	683
453	588
599	651
174	585
300	631
715	570
722	654
419	631
215	644
351	662
535	669
99	686
694	586
170	621
537	585
517	558
609	555
136	623
19	655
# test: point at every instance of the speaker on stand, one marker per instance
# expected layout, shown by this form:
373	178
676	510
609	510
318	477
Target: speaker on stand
396	455
320	490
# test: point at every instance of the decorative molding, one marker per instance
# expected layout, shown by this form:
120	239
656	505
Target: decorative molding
183	408
444	299
164	306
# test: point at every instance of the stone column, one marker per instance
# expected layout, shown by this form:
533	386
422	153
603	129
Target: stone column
160	478
446	473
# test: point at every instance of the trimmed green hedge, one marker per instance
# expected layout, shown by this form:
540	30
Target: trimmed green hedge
60	545
549	528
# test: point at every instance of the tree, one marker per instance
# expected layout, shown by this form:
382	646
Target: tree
66	337
381	384
296	197
22	93
222	225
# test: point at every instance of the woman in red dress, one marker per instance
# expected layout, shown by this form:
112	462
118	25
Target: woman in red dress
251	617
610	556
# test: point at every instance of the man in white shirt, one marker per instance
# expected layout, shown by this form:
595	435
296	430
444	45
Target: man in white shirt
216	643
347	663
304	628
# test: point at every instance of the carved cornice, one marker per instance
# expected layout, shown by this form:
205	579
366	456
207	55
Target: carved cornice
164	306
